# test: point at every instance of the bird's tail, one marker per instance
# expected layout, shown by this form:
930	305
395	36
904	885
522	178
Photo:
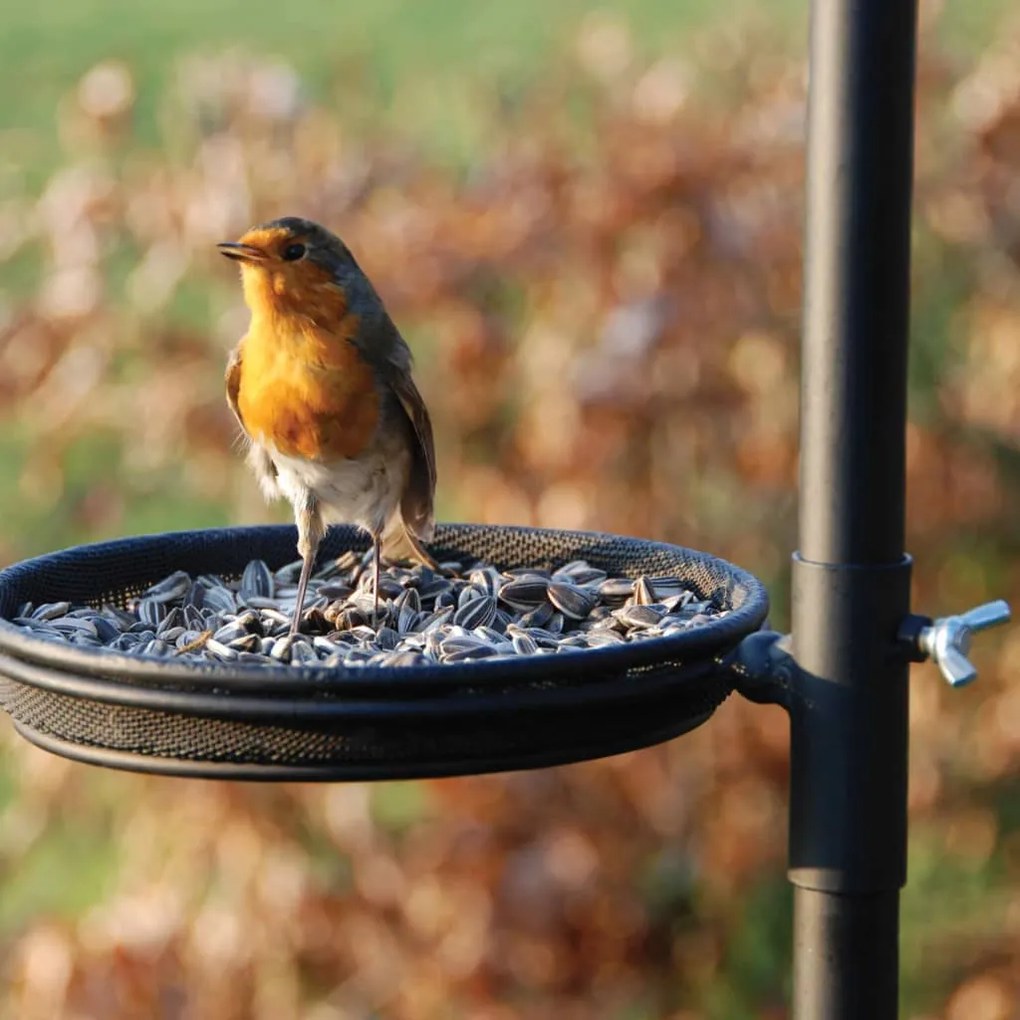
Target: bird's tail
398	542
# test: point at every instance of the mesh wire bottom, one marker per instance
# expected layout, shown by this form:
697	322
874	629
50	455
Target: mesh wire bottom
372	722
440	747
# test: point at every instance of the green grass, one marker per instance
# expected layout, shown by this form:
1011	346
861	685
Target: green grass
393	41
398	806
410	64
952	910
154	503
391	62
758	953
41	880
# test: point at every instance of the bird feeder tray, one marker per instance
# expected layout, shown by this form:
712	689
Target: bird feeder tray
288	722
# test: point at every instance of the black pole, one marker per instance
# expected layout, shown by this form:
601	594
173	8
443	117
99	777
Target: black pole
851	577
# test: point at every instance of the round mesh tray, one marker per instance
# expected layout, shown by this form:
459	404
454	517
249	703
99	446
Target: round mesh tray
302	723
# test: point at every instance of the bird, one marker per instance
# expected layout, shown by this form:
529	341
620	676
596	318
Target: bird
321	387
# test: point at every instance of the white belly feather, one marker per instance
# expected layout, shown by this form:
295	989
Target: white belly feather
365	492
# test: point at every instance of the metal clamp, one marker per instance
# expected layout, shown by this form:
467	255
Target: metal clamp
762	668
946	641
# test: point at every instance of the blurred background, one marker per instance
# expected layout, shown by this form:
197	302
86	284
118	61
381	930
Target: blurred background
587	223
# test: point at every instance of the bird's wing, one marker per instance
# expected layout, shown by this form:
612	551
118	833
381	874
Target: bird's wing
385	348
233	381
258	457
416	505
381	345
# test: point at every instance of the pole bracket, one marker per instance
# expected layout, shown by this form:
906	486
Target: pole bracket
763	669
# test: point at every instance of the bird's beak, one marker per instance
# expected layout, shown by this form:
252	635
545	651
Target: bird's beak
241	252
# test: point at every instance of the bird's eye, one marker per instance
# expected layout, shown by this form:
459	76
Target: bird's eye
293	252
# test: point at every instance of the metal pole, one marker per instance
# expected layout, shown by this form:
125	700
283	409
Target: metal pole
851	577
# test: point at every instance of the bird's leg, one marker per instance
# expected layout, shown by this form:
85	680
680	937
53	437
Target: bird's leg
375	586
310	531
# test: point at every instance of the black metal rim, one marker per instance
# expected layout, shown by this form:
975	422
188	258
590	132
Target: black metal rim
616	691
121	671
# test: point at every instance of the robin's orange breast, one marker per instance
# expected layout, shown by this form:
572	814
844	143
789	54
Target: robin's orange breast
307	392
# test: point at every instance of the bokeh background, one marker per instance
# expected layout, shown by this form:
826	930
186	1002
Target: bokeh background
587	223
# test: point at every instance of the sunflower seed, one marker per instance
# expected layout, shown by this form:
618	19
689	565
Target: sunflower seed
638	616
170	588
573	641
152	611
219	650
524	594
479	612
407	657
106	630
303	654
387	638
422	617
407	607
432	585
462	641
538	617
193	618
289	572
434	621
274	617
335	590
253	658
456	650
245	643
281	648
543	638
195	596
524	644
389	587
229	632
220	600
486	579
483	633
667	587
174	618
346	562
48	610
581	573
603	638
121	617
249	621
571	601
191	638
644	593
616	589
256	580
358	657
68	625
528	572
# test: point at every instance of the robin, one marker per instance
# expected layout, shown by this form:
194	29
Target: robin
321	386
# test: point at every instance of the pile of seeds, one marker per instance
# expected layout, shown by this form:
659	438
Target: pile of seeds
424	617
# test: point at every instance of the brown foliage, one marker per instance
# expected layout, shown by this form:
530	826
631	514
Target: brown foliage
607	335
